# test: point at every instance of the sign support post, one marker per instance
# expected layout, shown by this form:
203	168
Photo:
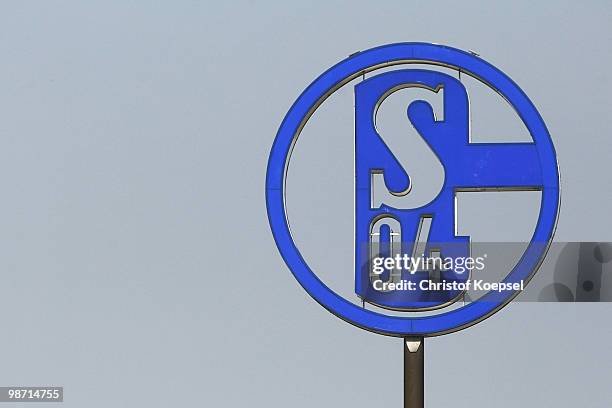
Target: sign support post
414	372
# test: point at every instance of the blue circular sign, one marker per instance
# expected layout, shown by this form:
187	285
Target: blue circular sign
342	73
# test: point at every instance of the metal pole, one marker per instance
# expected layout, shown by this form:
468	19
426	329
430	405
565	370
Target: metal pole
414	372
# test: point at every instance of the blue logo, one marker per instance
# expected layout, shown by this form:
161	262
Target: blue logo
390	220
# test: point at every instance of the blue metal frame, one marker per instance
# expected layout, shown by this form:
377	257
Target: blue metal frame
343	72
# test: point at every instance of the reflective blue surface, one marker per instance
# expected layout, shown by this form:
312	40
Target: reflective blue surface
467	166
525	165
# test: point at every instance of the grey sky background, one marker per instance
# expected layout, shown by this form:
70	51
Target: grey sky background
138	267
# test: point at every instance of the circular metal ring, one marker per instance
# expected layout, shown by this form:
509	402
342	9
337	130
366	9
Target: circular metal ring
344	72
